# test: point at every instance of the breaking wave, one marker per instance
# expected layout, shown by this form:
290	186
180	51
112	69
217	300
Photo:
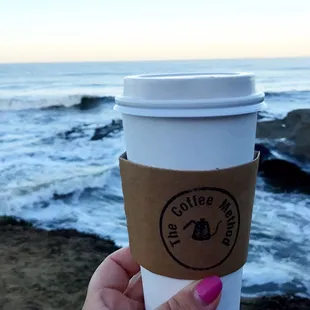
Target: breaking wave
303	94
82	102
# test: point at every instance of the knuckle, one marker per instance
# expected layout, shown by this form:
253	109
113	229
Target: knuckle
175	304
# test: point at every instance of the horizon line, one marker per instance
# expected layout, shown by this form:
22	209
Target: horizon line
150	60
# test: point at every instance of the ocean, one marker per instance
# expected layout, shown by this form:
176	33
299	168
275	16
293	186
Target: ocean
57	174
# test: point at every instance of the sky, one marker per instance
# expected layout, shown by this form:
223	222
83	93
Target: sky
105	30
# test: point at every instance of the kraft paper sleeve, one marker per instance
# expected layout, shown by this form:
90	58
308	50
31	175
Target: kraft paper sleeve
189	224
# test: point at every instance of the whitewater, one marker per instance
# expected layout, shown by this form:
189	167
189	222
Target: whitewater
57	175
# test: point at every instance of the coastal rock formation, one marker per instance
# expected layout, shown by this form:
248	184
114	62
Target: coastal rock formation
288	302
291	135
102	132
282	174
285	175
75	132
51	269
94	133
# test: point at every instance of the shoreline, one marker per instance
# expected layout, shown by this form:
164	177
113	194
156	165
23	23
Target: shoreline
50	270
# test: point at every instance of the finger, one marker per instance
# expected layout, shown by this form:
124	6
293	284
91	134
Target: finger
134	290
115	271
215	303
204	295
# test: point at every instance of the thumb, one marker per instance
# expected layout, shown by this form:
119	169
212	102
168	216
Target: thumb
203	295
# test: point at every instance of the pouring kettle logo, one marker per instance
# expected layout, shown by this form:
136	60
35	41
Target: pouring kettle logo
202	221
201	230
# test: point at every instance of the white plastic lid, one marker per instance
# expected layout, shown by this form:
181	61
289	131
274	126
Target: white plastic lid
190	95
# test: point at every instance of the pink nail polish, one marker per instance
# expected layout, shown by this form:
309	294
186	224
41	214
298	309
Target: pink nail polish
209	289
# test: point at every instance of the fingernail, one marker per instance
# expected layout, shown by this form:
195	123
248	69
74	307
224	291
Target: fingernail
209	289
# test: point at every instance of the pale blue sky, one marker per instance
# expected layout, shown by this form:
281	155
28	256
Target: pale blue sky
90	30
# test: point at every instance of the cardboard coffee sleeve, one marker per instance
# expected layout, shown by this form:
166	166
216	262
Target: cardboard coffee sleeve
189	224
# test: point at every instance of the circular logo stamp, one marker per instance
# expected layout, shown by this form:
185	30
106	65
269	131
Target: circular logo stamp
200	227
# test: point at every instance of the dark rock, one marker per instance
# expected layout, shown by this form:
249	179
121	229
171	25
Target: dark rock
102	132
281	174
75	132
13	221
285	302
86	130
291	134
57	196
273	129
285	175
265	153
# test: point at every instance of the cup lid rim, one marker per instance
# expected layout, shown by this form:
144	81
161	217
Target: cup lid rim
189	91
189	75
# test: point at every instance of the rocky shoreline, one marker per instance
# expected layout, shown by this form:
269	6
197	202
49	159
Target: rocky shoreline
289	135
284	145
49	270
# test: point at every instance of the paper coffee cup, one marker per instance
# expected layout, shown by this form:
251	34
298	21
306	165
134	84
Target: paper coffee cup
190	122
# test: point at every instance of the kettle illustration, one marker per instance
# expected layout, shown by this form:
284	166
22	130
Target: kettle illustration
201	229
